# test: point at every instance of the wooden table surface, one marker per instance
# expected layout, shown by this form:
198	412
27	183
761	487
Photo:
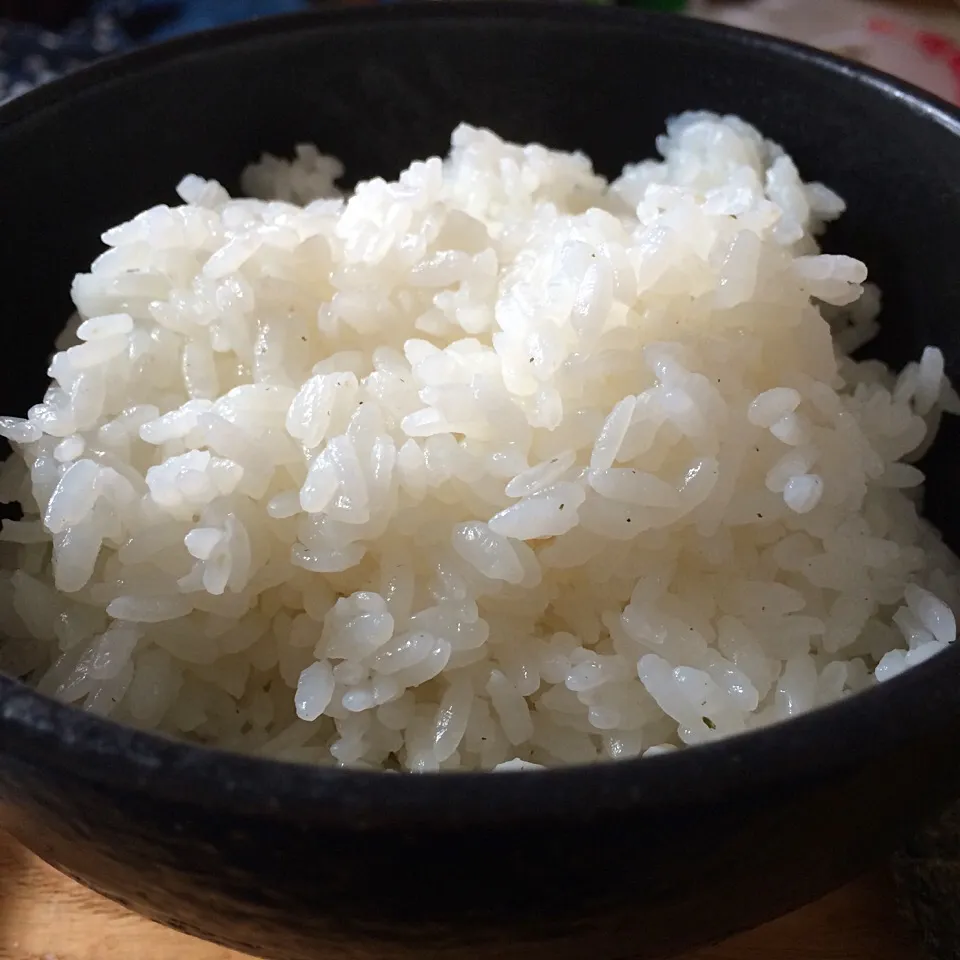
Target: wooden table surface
45	916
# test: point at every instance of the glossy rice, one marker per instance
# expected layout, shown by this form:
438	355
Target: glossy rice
499	465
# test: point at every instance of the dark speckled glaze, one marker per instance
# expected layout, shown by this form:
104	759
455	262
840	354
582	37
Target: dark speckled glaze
639	859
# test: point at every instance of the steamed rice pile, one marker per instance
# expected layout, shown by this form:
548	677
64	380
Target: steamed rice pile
499	464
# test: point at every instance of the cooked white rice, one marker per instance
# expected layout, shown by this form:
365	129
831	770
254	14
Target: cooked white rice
499	464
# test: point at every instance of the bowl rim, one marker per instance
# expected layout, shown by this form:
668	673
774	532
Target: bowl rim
37	731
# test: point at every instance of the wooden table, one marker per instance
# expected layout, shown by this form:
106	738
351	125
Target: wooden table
45	916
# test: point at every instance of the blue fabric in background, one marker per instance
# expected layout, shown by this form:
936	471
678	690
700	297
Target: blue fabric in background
188	15
30	56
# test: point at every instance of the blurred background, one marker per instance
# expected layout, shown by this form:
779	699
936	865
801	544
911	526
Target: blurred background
918	40
57	14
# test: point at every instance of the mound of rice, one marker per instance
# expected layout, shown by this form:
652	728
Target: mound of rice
498	465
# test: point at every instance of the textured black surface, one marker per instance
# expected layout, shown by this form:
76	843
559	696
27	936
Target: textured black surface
927	871
638	859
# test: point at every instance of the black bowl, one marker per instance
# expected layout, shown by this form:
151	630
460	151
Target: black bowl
635	859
